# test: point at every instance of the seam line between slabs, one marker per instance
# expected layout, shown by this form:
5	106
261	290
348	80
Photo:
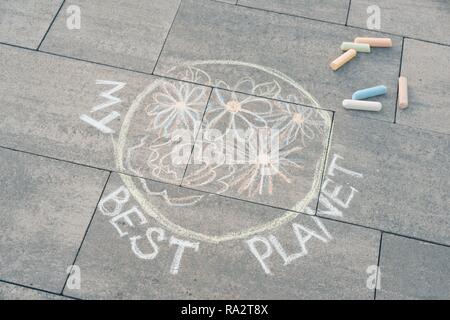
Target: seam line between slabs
50	26
399	74
167	37
378	266
86	232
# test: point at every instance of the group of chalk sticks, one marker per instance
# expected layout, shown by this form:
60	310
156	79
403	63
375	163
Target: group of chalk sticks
357	102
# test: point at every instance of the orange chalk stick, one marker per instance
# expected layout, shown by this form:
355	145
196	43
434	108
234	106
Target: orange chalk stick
375	42
402	92
343	59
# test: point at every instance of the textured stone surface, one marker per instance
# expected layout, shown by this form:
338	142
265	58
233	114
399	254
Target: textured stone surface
326	10
333	269
404	188
412	269
14	292
299	48
43	98
252	56
425	20
428	84
117	32
46	207
25	22
228	1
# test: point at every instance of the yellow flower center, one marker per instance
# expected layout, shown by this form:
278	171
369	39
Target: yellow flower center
264	159
180	105
298	118
233	106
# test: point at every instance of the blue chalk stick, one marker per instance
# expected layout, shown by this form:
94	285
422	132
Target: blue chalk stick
369	92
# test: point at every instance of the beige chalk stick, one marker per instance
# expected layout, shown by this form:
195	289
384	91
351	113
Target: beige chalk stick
343	59
402	92
375	42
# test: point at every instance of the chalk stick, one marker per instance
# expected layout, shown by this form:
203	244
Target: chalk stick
402	92
361	105
343	59
375	42
369	92
359	47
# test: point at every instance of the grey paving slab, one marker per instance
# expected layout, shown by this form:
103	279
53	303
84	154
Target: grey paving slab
260	150
326	10
228	1
229	43
25	22
222	266
117	32
428	85
412	269
14	292
46	206
43	98
404	183
426	20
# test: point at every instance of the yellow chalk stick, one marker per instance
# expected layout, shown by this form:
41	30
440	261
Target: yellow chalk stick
402	92
359	47
375	42
343	59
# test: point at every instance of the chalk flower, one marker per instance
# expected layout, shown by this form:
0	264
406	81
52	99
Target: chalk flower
297	122
260	176
177	106
229	110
